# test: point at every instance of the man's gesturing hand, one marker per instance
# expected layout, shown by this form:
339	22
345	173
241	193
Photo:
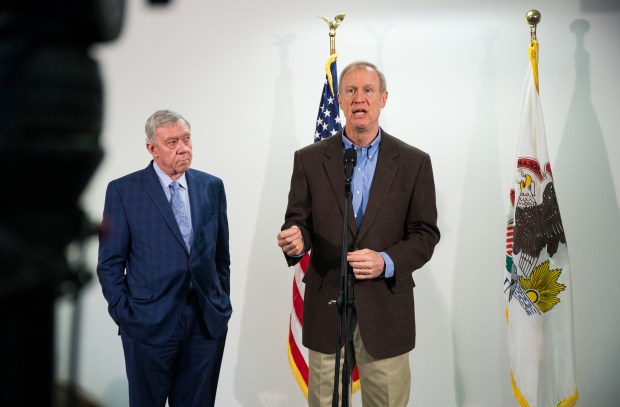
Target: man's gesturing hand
291	241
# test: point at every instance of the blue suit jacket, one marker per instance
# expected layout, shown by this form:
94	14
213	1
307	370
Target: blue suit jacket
144	267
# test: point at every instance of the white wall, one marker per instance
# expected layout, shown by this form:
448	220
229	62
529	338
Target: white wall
248	76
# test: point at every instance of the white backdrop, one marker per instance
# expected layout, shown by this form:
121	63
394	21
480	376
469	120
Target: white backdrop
248	76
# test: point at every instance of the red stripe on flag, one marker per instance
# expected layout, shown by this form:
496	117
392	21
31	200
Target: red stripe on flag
355	377
300	362
304	262
509	237
298	303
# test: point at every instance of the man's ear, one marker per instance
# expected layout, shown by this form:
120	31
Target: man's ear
384	99
150	148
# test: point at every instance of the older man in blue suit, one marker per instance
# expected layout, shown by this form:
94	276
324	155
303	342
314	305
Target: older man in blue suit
164	270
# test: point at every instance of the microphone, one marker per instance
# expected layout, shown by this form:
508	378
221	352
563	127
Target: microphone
350	159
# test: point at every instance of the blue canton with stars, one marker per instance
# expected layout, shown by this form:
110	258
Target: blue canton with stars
328	119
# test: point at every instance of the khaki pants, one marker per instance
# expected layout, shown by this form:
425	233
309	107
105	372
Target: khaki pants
384	382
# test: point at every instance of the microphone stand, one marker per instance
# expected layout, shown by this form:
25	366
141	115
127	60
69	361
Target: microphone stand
345	302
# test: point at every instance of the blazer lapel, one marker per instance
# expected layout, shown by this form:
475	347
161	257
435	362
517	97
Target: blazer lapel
196	190
387	166
335	172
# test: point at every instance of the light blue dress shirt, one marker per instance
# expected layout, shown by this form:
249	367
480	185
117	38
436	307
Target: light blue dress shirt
361	183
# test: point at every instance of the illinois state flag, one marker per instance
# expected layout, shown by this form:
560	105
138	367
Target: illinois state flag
537	281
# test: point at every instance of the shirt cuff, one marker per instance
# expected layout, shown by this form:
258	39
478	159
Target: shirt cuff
389	265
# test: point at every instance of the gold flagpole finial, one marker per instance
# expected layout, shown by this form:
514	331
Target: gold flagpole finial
533	18
333	25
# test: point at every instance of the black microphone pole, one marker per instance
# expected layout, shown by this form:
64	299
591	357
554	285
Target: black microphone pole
345	300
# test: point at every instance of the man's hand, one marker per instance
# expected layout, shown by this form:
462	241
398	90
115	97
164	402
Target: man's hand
366	264
290	241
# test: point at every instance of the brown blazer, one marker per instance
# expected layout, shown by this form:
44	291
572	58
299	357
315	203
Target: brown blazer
400	219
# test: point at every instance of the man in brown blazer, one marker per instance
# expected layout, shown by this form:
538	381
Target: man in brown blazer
392	232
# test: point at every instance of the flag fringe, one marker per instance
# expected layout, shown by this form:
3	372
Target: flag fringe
295	371
328	71
517	393
571	401
355	387
533	52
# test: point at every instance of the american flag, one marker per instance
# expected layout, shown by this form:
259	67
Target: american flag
328	118
327	124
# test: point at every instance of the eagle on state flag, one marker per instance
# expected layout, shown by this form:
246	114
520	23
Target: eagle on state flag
539	223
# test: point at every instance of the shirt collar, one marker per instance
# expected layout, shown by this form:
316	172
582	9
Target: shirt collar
372	147
165	178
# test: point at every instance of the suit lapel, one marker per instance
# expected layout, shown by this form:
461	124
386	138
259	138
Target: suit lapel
387	166
334	169
153	187
196	190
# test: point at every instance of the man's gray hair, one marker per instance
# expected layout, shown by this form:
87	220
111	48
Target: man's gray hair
363	64
161	118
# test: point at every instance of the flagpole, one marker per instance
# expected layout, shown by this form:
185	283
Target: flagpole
333	26
345	300
533	18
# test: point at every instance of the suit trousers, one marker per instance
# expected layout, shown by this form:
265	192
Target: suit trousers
184	370
384	382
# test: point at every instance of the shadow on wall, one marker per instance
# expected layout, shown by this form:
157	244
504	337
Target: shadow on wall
116	393
480	358
600	6
432	356
379	37
589	206
264	325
